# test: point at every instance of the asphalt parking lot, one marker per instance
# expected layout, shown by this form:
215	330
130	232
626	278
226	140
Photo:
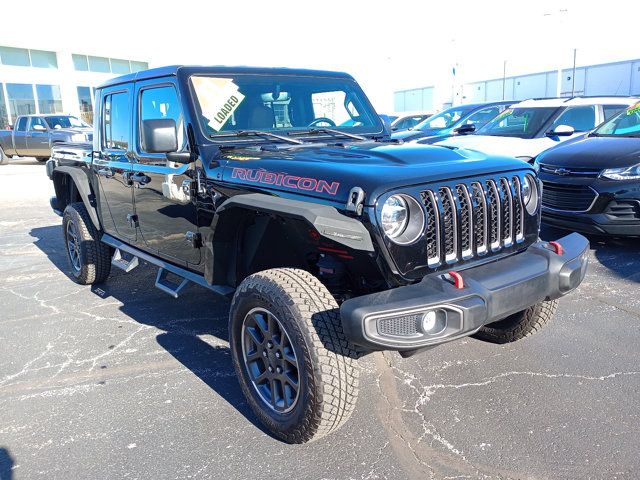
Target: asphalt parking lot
122	381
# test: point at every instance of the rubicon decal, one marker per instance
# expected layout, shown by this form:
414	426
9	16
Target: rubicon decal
285	180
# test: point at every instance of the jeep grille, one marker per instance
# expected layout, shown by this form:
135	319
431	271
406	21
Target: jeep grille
471	219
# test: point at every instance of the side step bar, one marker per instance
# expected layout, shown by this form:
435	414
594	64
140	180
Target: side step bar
123	264
162	282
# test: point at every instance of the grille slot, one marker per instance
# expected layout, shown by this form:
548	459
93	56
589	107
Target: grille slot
624	210
572	198
449	225
471	219
406	326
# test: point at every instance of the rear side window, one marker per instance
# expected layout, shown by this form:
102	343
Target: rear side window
581	118
610	110
116	120
37	121
21	126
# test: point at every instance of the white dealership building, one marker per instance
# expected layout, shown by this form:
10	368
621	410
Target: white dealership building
35	80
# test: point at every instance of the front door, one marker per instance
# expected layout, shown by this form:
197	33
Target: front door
38	140
165	211
111	163
20	136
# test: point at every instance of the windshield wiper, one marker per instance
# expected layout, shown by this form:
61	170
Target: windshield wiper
315	131
260	133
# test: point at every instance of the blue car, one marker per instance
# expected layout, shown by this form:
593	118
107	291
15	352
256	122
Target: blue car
458	120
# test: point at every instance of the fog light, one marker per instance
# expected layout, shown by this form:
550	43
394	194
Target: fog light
434	322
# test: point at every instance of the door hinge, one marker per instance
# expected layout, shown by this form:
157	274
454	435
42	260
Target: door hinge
194	238
132	218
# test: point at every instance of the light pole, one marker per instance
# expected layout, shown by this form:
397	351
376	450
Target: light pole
559	15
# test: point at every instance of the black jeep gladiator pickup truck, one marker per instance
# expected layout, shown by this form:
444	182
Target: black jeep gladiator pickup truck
282	189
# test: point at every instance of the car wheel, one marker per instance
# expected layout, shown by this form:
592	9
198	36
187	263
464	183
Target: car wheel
89	258
519	325
294	364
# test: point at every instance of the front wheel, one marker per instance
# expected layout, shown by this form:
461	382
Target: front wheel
519	325
294	364
89	258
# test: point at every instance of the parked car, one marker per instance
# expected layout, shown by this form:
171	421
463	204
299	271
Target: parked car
407	121
460	120
532	126
334	242
592	183
34	135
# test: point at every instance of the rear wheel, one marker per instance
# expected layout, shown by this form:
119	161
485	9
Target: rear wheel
519	325
89	258
42	159
295	366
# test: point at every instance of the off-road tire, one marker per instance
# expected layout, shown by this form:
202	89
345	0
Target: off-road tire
519	325
329	371
3	157
94	255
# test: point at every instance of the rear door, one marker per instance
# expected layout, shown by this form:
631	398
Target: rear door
38	140
20	136
111	163
164	208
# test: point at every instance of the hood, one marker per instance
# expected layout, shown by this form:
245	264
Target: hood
407	135
331	172
595	152
509	146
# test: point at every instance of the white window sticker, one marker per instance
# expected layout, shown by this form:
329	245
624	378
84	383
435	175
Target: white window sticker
218	97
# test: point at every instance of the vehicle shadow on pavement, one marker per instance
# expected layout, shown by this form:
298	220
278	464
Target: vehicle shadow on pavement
620	255
6	464
197	313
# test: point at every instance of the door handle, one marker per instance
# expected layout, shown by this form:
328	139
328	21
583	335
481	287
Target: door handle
105	172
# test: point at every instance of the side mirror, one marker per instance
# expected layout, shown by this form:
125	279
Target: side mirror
561	131
39	128
465	129
159	135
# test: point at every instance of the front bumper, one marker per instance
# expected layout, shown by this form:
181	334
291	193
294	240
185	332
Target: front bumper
392	319
594	223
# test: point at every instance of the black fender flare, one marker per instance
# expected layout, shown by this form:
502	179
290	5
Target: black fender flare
81	181
324	219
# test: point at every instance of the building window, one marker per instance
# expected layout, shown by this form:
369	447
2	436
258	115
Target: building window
116	121
120	66
99	64
86	109
21	57
43	59
4	118
49	99
21	101
18	57
80	62
137	66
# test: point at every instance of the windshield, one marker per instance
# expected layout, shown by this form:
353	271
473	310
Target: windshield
282	104
625	124
445	119
64	121
518	122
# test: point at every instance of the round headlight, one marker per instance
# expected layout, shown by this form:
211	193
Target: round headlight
395	216
402	219
530	195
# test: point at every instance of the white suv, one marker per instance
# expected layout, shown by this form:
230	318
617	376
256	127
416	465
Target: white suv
530	127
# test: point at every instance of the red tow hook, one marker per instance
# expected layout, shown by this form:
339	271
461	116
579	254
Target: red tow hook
557	248
458	281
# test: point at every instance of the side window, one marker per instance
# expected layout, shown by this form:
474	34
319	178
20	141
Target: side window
610	110
161	102
37	121
115	121
21	126
482	117
581	118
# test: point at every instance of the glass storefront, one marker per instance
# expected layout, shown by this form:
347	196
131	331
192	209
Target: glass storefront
21	100
49	98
